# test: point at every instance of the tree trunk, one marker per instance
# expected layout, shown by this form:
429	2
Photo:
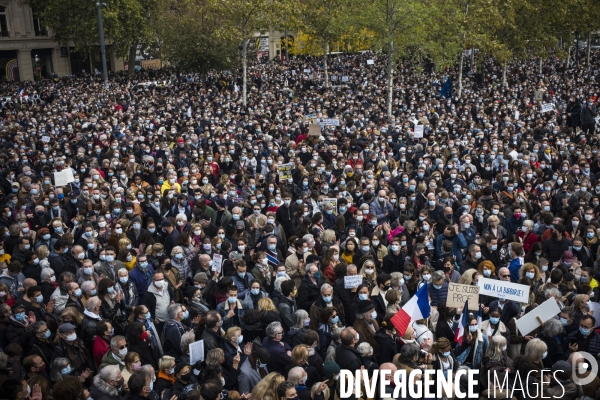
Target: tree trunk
325	53
541	65
131	65
589	48
390	80
504	74
472	57
244	72
460	73
569	58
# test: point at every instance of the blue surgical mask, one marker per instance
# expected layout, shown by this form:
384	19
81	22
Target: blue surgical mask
47	334
407	277
446	354
473	328
317	275
20	316
544	355
335	320
186	314
232	300
123	279
362	296
327	299
494	320
255	291
564	321
67	370
438	287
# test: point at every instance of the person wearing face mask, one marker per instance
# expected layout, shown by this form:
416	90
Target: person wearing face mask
103	332
174	330
157	299
71	347
253	369
140	238
366	324
443	358
60	259
108	384
472	350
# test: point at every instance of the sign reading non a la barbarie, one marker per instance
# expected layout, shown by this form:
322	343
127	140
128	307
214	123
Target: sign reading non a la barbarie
458	293
285	171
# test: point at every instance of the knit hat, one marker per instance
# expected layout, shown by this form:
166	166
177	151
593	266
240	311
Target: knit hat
201	277
330	368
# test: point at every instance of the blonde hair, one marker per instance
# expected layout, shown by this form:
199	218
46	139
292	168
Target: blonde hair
232	331
123	243
215	356
329	235
467	277
267	388
266	304
42	252
165	362
299	355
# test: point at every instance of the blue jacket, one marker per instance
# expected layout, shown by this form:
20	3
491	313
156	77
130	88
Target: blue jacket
514	268
141	280
462	352
243	285
279	357
458	243
437	295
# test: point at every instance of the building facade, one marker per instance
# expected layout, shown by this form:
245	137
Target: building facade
27	51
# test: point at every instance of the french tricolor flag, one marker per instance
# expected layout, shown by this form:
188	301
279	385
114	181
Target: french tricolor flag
463	324
415	309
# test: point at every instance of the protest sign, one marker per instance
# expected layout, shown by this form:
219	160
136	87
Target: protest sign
370	62
333	203
285	171
217	262
196	352
63	177
314	130
539	95
544	312
547	107
352	281
458	293
307	70
419	131
345	78
595	310
503	290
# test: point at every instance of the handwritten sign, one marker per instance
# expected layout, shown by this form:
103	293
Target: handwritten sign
217	262
539	95
285	171
307	70
546	311
345	78
196	352
150	64
370	62
419	131
547	107
503	290
458	293
314	130
63	177
353	281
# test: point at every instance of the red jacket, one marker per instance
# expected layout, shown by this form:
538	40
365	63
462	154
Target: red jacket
101	347
528	241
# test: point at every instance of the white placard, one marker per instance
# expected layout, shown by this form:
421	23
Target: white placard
293	72
46	139
546	311
503	290
595	310
307	70
370	62
217	262
419	131
196	352
345	78
353	281
63	177
517	115
547	107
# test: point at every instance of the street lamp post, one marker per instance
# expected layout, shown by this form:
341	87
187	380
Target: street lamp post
102	45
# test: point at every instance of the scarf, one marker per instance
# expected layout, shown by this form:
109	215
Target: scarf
166	377
591	242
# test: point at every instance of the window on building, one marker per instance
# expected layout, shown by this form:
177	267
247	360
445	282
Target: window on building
38	27
3	23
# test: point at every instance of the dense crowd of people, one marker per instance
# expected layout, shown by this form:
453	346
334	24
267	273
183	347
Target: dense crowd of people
140	218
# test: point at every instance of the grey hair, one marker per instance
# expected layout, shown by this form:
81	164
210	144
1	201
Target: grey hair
92	303
528	223
58	364
273	329
409	351
46	273
150	369
308	236
350	266
494	350
175	249
279	281
296	374
570	311
124	269
115	340
109	373
552	328
552	292
396	278
326	286
35	328
173	310
299	317
307	268
437	275
187	339
364	349
87	287
181	216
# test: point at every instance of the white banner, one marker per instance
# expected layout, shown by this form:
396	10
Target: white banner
503	290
